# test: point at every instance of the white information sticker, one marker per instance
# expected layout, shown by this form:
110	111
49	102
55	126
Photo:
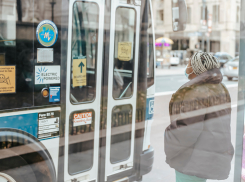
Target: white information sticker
48	124
47	75
45	55
80	119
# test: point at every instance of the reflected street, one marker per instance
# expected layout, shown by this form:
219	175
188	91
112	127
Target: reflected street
169	80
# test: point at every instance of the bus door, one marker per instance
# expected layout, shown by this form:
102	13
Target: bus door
122	87
83	88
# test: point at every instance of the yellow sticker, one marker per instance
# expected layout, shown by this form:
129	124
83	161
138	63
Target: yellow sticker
79	72
7	79
124	51
2	59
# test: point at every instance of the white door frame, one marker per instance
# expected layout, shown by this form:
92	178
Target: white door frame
110	168
92	174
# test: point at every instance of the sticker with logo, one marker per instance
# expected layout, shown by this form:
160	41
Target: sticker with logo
47	75
47	33
150	108
54	94
80	119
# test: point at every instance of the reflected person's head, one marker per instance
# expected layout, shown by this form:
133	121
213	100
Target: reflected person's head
199	63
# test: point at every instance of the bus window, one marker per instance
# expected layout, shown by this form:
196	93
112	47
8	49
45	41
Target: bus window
17	55
81	141
121	133
84	52
124	53
150	52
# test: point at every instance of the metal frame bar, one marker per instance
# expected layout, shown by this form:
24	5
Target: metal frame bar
240	101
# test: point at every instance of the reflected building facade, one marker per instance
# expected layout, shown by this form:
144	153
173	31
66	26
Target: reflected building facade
220	26
22	14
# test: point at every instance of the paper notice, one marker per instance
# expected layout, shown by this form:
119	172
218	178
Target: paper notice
45	55
7	79
48	124
79	72
124	51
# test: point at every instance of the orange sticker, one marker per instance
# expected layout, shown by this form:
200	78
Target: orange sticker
82	118
7	79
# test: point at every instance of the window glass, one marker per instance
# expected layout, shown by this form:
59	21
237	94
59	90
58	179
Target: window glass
18	53
199	106
205	15
121	129
229	57
238	14
84	51
124	55
161	15
21	59
216	13
223	57
81	141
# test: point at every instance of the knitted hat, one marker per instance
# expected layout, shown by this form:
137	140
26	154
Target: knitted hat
202	62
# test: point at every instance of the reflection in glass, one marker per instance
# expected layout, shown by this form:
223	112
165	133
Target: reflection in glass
243	159
124	53
197	142
121	129
84	51
179	15
16	49
150	52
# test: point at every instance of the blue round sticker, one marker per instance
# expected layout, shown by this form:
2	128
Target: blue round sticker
47	33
